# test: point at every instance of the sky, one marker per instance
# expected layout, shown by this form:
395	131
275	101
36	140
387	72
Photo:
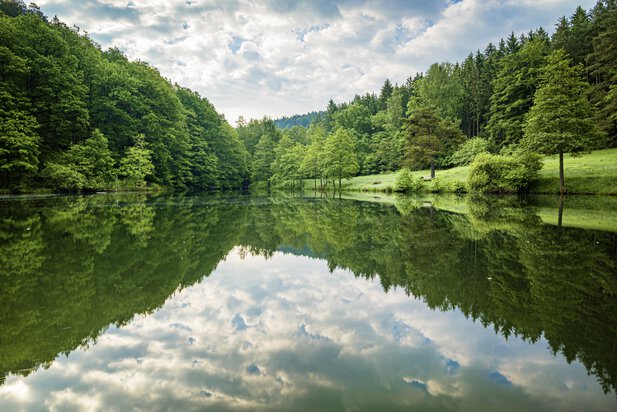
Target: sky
284	57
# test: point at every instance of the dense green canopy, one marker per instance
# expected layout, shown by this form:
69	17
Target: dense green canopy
64	100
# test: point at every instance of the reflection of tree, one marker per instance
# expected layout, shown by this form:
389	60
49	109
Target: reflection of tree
72	268
574	291
62	285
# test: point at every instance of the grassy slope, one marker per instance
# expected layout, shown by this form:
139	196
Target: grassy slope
595	173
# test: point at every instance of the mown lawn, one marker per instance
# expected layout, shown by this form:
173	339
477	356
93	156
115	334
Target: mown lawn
594	173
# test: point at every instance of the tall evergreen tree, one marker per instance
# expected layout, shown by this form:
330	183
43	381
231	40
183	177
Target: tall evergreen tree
603	71
560	120
514	88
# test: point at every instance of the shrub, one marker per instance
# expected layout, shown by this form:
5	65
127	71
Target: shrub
468	151
457	186
491	173
435	186
64	177
406	182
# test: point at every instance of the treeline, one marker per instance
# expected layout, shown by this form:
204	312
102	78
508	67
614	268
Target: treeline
453	112
75	117
304	120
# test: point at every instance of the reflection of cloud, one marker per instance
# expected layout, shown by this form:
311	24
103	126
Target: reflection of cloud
305	345
283	57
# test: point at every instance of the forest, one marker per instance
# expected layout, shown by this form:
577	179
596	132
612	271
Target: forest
74	117
528	95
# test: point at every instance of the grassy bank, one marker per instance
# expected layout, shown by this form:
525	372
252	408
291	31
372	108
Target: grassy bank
594	173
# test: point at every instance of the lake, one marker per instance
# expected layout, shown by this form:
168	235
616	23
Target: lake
233	302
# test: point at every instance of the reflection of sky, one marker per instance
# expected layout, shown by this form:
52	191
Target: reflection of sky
285	333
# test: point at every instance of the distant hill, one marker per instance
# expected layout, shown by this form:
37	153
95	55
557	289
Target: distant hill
303	120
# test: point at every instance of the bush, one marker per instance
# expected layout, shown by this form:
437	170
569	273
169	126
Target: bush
468	151
64	177
435	186
457	186
406	182
491	173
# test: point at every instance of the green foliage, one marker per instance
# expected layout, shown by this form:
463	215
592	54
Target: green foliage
64	177
339	157
301	120
287	161
435	186
430	140
491	173
457	186
56	86
136	164
514	88
602	69
88	166
440	89
560	120
263	158
406	181
468	151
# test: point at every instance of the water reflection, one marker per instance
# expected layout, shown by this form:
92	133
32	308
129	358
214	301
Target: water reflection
273	328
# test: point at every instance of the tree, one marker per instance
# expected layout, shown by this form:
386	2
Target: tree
429	138
286	165
340	158
441	89
514	88
311	165
137	162
560	120
603	71
19	140
386	142
385	93
263	158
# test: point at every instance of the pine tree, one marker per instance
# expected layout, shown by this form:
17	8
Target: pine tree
603	72
560	120
514	88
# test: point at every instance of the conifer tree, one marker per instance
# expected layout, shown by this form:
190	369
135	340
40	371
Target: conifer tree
560	120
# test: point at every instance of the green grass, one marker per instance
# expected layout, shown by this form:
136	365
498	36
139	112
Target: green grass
594	173
385	182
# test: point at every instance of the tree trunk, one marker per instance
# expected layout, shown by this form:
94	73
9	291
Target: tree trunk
432	169
562	182
562	200
339	183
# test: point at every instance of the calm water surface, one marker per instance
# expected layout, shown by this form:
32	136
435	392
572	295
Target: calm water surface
256	303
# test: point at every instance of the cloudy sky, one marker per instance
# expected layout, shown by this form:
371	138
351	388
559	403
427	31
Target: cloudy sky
281	57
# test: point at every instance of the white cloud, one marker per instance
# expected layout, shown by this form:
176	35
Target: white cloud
292	56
